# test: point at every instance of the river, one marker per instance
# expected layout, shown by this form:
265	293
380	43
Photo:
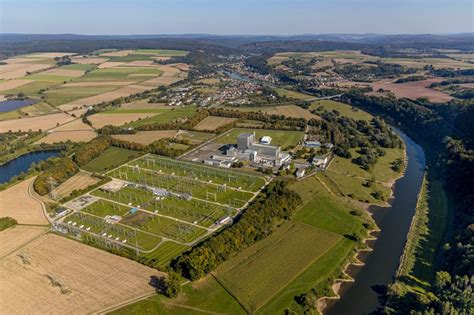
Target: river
22	163
360	297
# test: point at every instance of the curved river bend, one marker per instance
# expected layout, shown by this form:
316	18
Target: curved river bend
381	264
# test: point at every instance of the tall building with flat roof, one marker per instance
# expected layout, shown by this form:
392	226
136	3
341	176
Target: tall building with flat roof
244	140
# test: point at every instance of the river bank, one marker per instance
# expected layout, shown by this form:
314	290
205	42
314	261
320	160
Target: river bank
376	265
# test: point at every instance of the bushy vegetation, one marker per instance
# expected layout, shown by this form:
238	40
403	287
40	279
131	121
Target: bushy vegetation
259	220
6	222
91	150
371	70
59	170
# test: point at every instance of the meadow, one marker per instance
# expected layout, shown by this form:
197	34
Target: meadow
343	109
109	159
257	273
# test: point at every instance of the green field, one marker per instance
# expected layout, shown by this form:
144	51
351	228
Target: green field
326	212
103	208
293	94
381	171
119	74
166	252
165	115
257	273
279	137
111	158
350	178
67	94
343	109
204	296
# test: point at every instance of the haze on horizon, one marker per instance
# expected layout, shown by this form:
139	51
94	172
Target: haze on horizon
277	17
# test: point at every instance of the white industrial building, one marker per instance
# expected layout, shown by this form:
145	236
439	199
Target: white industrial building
263	153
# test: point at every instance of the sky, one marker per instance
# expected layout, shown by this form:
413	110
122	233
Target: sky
231	17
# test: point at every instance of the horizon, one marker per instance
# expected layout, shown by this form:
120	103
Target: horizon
285	18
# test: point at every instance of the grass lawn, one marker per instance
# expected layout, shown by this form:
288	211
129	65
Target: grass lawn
204	296
353	188
279	137
102	208
343	109
165	115
323	210
323	269
111	158
257	273
381	171
166	252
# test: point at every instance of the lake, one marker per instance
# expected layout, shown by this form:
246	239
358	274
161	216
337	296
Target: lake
360	297
22	163
6	106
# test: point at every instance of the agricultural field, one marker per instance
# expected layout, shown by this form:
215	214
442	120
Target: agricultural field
255	274
290	111
88	81
116	118
28	211
161	115
213	122
78	182
111	158
75	131
14	238
412	90
56	275
203	296
147	137
35	123
279	137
